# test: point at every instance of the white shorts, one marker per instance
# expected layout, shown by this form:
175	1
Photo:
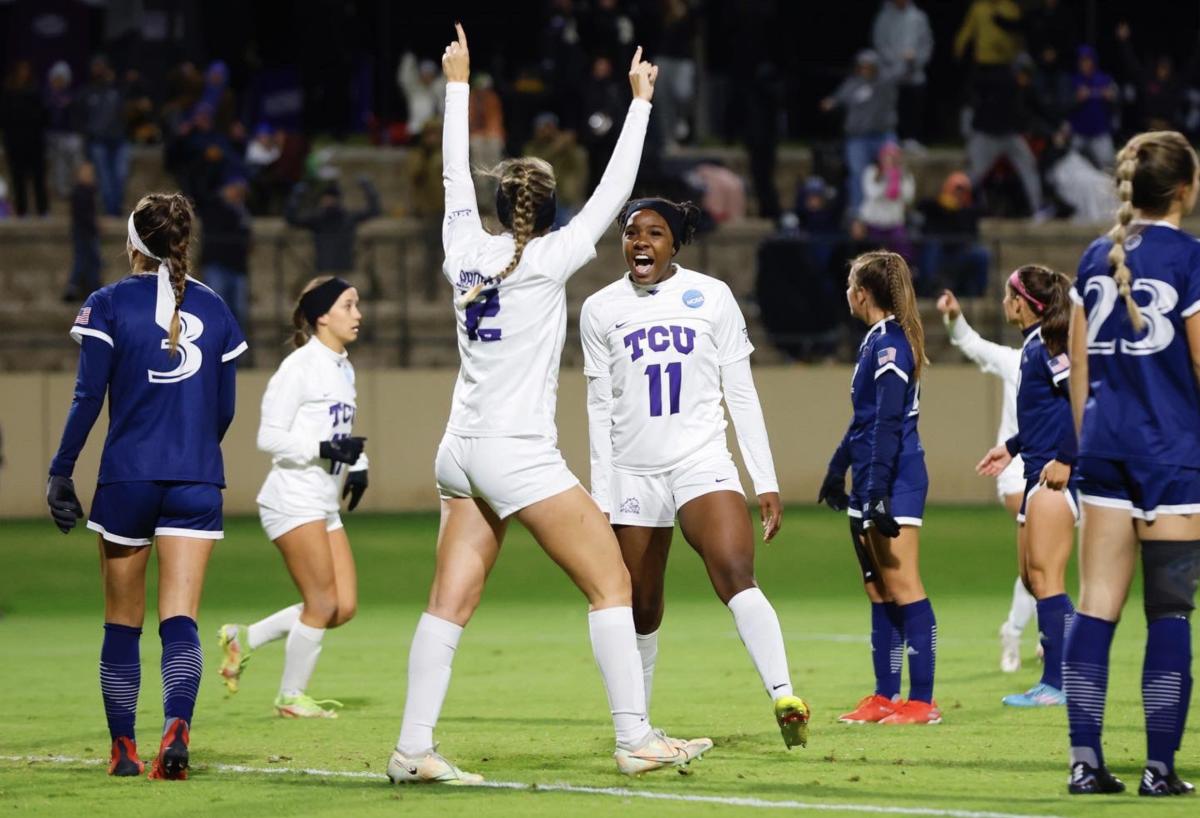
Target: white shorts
652	500
507	473
1011	480
276	523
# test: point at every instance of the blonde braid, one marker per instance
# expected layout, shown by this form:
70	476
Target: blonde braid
1127	164
904	305
523	216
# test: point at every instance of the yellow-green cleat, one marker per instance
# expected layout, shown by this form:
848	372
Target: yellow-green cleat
304	706
235	653
791	713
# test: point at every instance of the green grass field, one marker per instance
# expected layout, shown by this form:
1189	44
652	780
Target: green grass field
526	704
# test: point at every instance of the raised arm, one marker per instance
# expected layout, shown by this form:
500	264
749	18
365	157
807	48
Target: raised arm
992	358
461	222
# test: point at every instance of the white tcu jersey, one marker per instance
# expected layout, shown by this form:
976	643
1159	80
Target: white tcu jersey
310	398
663	348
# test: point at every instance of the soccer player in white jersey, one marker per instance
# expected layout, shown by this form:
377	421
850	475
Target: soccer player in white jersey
307	425
660	347
1005	363
499	458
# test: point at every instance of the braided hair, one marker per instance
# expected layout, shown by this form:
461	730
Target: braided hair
1151	167
164	224
886	277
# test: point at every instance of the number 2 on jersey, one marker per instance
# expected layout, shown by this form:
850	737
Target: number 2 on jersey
486	306
675	377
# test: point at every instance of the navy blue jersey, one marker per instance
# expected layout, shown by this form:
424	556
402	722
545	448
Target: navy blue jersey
1045	429
885	397
167	414
1143	399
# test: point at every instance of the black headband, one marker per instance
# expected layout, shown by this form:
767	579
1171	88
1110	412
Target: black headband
320	299
671	215
542	220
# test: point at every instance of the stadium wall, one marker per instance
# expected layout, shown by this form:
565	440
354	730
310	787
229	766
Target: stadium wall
403	413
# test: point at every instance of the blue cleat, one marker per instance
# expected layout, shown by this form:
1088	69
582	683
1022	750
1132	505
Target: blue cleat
1040	695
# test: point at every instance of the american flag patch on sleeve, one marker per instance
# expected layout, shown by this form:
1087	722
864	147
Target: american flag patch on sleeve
887	356
1059	364
84	315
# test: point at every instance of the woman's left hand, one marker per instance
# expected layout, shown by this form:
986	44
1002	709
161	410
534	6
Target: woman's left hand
456	61
772	514
1055	475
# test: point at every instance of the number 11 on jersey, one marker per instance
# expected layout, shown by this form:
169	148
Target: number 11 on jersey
675	379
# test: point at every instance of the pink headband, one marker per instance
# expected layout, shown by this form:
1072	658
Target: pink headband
1014	281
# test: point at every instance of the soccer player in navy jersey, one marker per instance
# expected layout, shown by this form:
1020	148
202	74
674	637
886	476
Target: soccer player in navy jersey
1036	300
163	347
889	483
1135	394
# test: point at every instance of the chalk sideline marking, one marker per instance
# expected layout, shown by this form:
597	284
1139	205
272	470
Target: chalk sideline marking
618	792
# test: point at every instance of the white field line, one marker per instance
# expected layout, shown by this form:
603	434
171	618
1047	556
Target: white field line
618	792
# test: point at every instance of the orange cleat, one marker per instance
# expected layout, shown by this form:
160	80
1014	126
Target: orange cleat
871	709
912	711
124	760
172	761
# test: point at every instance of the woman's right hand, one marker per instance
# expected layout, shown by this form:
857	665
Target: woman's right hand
456	61
994	462
948	305
641	76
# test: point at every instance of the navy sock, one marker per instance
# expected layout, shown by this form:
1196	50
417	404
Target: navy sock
920	631
887	648
182	662
1085	681
1165	677
120	678
1053	615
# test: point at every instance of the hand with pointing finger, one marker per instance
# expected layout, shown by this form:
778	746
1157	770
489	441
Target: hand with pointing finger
642	76
456	60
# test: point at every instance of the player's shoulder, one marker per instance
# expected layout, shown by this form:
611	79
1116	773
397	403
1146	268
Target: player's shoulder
704	282
891	334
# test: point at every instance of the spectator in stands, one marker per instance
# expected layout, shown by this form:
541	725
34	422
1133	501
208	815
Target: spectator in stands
818	220
904	41
424	90
427	200
141	124
1161	91
217	95
869	99
952	255
563	66
23	119
1051	31
560	148
64	145
991	29
888	190
85	236
604	105
1091	117
675	95
267	189
485	122
103	111
225	250
5	206
609	31
721	193
333	225
995	124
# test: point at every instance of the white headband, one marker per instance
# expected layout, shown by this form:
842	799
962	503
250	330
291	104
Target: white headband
164	302
137	242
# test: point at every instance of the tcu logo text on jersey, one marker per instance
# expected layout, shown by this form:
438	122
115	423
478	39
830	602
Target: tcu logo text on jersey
190	356
659	339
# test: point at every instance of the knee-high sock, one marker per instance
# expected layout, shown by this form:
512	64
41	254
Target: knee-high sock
300	658
1022	608
887	647
758	626
1054	615
1085	681
647	645
920	632
429	664
182	664
1166	675
120	677
614	644
275	626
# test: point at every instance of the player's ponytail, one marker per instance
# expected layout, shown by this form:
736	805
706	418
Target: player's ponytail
1048	294
1151	168
525	204
886	277
302	329
164	224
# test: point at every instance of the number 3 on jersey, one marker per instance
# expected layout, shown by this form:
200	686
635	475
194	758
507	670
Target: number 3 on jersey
675	380
190	355
1159	329
486	306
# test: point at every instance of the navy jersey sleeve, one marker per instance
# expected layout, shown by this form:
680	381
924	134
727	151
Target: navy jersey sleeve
1097	250
235	341
235	344
93	330
893	363
1189	301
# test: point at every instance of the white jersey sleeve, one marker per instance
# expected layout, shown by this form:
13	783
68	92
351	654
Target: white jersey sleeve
460	224
732	337
285	393
591	337
744	408
599	409
994	359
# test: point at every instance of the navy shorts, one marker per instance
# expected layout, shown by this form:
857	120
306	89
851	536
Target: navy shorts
1143	489
909	490
1033	486
133	513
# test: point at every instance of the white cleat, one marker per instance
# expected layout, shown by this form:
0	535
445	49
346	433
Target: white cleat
1010	650
428	768
659	751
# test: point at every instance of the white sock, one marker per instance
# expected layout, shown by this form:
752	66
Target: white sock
429	661
614	644
648	649
758	626
1024	606
300	658
275	626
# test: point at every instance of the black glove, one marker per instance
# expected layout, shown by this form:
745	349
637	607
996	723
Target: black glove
64	505
343	449
356	484
833	492
879	512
